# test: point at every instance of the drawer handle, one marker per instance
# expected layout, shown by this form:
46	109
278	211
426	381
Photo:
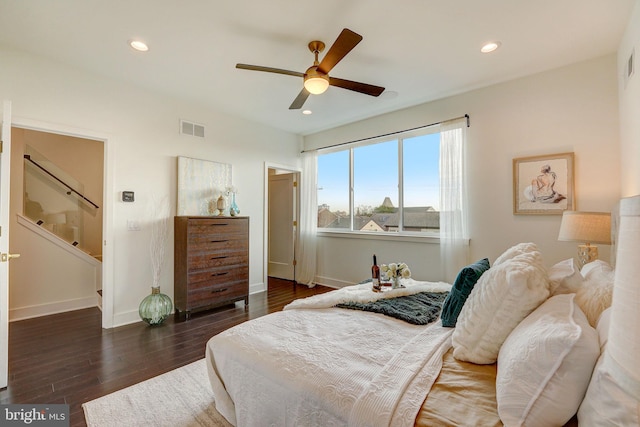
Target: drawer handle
220	274
217	291
219	224
220	241
219	257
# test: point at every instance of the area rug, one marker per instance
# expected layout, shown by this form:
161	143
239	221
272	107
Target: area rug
179	398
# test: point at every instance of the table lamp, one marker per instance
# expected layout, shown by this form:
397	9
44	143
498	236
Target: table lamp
588	228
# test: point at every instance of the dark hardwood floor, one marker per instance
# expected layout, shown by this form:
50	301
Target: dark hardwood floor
69	359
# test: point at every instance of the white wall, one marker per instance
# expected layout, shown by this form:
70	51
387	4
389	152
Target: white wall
141	134
571	109
629	89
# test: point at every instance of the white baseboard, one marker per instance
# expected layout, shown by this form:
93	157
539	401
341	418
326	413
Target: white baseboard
29	312
133	316
126	318
257	287
331	283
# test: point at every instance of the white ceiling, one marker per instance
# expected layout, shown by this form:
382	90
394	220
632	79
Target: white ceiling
419	50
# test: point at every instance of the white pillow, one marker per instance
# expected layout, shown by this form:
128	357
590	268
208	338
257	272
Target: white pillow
565	277
598	268
606	404
545	365
603	328
594	296
503	296
512	252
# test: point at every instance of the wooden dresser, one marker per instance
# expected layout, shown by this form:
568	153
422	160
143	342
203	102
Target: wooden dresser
211	262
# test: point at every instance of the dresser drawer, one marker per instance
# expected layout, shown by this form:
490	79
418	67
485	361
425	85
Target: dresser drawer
209	296
214	276
215	226
206	259
229	243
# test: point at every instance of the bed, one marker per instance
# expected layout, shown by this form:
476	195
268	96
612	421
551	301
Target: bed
515	343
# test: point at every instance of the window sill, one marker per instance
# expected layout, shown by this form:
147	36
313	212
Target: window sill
431	238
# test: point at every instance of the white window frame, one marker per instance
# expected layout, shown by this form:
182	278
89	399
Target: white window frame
416	236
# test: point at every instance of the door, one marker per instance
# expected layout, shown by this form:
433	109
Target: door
281	226
5	161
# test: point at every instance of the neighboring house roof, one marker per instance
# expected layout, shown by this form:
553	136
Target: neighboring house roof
371	225
326	217
415	218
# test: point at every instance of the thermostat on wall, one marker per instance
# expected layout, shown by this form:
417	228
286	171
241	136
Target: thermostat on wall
127	196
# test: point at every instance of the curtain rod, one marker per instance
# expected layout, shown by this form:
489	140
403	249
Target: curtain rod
466	116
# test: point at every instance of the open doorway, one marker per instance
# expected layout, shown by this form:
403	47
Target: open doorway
57	207
282	211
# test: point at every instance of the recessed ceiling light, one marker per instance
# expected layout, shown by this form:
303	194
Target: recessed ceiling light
490	47
307	112
139	45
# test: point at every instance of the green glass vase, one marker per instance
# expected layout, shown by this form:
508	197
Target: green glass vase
155	308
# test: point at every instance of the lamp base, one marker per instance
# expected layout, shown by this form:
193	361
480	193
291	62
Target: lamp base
587	254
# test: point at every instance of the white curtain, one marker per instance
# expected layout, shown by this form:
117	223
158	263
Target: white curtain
454	228
306	261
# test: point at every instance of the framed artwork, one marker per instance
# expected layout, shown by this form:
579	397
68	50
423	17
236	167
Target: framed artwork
200	183
543	185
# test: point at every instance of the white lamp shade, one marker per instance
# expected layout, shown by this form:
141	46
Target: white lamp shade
587	227
623	347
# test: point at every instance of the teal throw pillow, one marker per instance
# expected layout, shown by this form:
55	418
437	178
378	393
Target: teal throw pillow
464	283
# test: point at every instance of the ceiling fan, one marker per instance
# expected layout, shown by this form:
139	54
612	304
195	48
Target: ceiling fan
316	78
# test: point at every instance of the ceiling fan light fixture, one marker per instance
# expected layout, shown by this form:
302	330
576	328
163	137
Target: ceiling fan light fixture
315	82
316	85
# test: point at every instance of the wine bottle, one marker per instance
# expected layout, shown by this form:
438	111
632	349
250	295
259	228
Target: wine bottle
375	275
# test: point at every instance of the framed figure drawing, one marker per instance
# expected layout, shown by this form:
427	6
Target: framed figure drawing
543	185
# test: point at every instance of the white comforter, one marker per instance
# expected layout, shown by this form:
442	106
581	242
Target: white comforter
324	367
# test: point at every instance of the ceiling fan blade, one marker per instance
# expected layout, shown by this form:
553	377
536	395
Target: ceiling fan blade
269	70
367	89
346	41
300	100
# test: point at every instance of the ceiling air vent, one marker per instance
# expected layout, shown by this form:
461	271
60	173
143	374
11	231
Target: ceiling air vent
193	129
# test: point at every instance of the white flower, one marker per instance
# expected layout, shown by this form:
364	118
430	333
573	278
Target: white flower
394	270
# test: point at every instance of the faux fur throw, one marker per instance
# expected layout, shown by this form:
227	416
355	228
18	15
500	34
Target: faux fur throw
363	294
418	309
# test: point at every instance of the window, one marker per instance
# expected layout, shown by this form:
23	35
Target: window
391	185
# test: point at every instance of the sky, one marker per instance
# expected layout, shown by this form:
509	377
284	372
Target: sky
376	174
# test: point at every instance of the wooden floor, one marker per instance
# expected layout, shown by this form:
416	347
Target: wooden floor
69	359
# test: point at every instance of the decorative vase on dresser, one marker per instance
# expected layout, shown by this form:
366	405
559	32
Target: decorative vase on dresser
211	262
